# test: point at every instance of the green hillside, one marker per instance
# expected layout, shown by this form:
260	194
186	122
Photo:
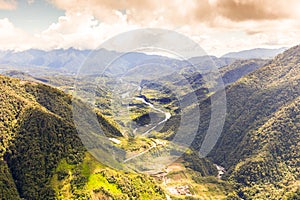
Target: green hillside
272	169
42	157
40	146
251	102
240	68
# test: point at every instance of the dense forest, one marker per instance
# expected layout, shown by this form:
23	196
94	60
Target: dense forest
259	144
38	137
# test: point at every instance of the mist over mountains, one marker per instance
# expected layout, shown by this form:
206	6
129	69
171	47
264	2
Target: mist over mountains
70	60
255	53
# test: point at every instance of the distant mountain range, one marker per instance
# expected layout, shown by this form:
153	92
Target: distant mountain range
255	53
70	60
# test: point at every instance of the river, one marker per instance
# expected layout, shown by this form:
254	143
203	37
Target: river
167	114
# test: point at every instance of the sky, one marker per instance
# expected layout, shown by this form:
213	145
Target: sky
218	26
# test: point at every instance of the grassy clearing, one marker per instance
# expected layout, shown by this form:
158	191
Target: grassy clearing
91	179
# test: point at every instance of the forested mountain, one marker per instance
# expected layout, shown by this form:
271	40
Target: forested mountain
40	146
42	157
259	144
272	169
239	68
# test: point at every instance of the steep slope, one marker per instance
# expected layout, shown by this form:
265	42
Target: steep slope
240	68
272	170
24	76
251	102
37	136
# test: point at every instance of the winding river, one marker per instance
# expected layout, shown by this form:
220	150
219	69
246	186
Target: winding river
221	170
167	114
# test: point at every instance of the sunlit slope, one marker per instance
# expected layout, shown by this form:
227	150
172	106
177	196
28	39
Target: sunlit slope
42	156
37	135
251	102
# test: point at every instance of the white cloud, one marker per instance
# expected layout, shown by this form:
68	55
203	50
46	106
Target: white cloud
218	41
85	25
12	38
30	1
192	12
8	4
82	31
78	30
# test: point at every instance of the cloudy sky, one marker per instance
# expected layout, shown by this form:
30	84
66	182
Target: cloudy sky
219	26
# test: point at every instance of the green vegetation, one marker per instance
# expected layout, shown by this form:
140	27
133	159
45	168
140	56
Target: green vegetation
42	156
90	179
240	68
255	135
272	170
40	143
